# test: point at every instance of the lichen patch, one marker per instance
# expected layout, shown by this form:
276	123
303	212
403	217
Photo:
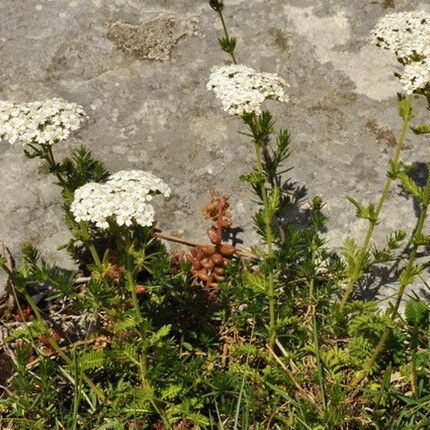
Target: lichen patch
154	39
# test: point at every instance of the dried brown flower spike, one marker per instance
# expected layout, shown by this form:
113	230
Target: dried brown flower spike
208	261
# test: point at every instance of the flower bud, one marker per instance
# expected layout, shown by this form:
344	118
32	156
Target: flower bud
216	5
197	252
317	203
207	263
207	249
227	250
214	236
226	223
217	259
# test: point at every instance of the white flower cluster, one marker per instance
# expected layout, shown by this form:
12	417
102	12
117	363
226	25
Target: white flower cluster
407	35
41	122
124	198
242	90
416	75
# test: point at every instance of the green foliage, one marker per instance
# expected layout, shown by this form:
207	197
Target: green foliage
227	44
417	313
134	340
394	242
410	185
404	106
421	129
409	274
82	168
352	254
365	212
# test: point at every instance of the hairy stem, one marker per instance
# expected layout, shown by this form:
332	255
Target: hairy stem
405	281
270	253
131	283
365	246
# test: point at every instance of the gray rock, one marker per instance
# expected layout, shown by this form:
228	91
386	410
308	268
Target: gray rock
140	67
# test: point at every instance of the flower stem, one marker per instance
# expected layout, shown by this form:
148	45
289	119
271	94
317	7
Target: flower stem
320	366
365	246
132	287
414	373
131	283
224	26
50	159
130	270
94	254
404	282
270	253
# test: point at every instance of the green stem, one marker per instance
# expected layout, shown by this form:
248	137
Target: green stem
131	281
269	238
414	373
49	157
259	149
224	26
95	254
98	262
403	284
141	324
365	246
321	372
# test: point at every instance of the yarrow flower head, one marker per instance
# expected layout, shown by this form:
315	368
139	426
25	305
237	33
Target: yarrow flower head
416	76
41	122
124	199
243	90
407	34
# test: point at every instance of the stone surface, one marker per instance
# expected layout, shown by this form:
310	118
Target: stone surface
140	67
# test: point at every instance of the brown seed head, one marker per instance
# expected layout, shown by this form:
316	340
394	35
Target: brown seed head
227	250
203	275
214	237
217	259
141	289
207	249
207	263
